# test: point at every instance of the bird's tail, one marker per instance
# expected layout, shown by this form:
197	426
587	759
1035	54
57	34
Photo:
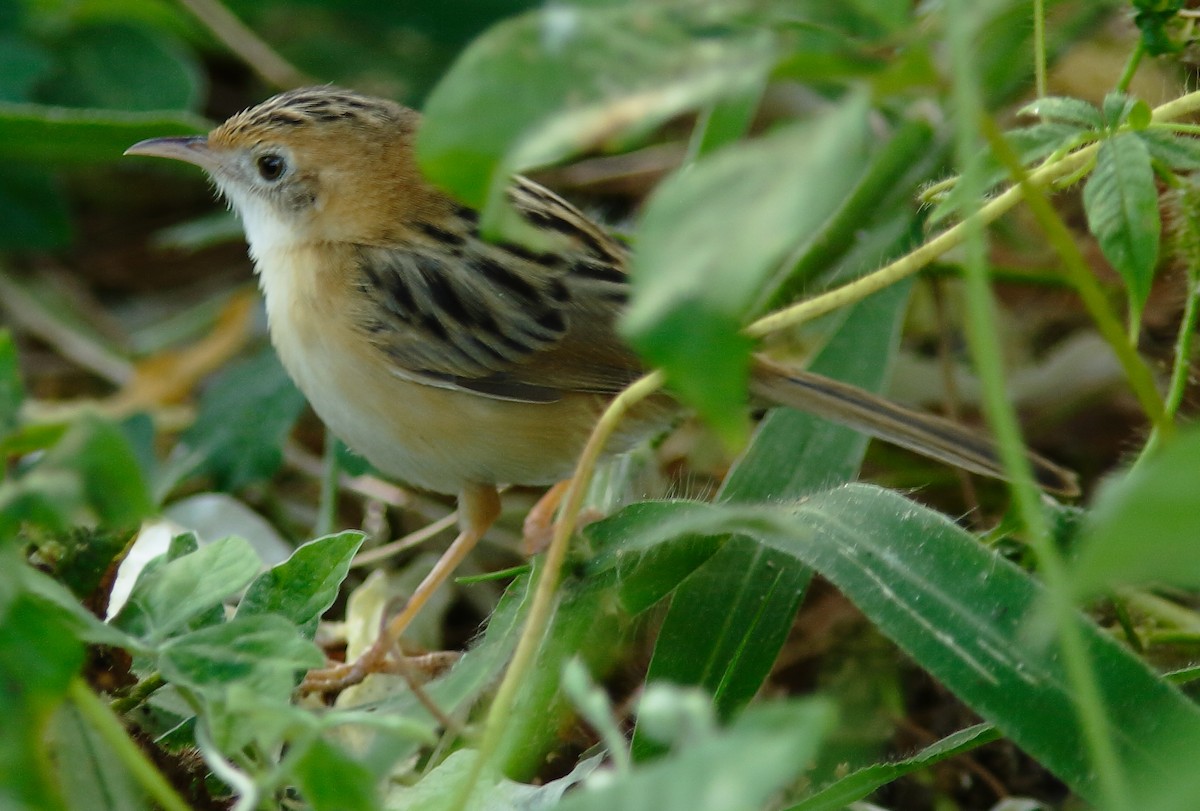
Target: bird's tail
925	434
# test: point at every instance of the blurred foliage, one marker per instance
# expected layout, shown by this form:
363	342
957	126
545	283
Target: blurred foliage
793	140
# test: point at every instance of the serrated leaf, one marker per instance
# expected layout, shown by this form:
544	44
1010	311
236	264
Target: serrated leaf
1042	139
303	587
233	651
589	74
166	596
711	237
1065	109
1144	527
35	133
1121	202
1031	144
1175	150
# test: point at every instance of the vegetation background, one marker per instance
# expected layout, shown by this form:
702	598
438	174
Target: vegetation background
983	208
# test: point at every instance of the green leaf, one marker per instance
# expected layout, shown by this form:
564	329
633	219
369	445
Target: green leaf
860	784
438	789
1154	20
12	391
1121	201
1139	115
1066	110
644	577
963	613
225	441
1116	108
333	781
728	620
124	67
33	437
1041	139
87	770
736	769
167	596
795	454
22	65
33	133
80	559
1031	144
33	210
39	655
48	500
589	74
232	651
1178	151
98	453
1144	526
724	122
586	624
711	237
870	220
303	587
84	625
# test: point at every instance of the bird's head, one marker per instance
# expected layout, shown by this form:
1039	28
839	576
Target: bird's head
313	165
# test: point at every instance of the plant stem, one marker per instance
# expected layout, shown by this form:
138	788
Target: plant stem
242	41
541	609
912	262
1182	364
981	334
1139	375
909	264
108	727
1131	66
141	691
1183	342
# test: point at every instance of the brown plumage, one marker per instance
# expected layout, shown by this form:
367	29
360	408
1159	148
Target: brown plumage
451	362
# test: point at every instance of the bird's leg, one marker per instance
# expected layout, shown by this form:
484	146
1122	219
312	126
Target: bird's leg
539	523
478	509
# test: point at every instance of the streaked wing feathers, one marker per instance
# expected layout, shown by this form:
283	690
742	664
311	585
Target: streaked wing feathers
452	310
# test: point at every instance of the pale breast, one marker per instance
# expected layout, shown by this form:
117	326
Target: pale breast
435	438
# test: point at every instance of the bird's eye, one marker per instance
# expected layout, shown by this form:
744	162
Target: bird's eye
270	166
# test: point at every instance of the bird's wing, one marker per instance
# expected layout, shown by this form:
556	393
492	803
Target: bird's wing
498	319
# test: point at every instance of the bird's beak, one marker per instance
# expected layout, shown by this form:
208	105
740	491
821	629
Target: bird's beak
189	149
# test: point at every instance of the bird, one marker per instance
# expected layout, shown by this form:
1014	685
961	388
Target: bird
454	362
